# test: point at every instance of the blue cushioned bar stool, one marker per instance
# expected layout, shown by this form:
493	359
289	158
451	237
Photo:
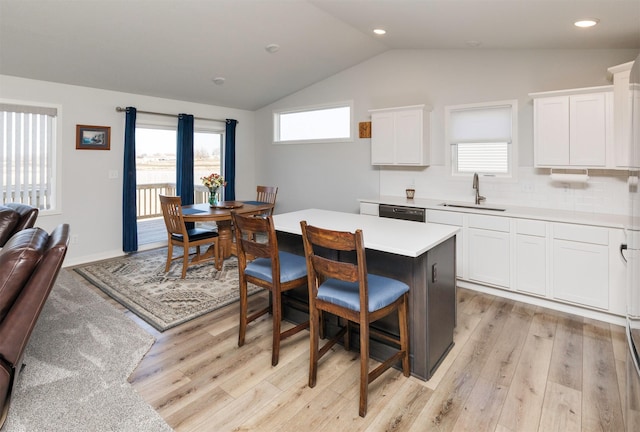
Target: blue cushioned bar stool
346	289
260	263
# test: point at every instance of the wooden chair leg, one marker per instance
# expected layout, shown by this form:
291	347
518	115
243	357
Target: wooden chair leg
322	327
347	336
276	316
314	324
404	336
243	311
217	254
169	256
185	261
364	369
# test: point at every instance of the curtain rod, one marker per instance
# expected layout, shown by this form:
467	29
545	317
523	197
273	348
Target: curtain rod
120	109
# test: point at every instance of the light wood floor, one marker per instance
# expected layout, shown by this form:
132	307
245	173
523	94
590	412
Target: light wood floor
514	367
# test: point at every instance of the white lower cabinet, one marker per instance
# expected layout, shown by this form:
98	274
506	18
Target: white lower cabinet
368	208
568	263
489	257
531	265
581	273
531	257
454	219
557	262
489	250
581	265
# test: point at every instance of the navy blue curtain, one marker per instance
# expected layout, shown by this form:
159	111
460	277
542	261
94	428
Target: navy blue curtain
129	213
184	156
230	160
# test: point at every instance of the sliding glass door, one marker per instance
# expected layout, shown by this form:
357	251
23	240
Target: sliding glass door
156	173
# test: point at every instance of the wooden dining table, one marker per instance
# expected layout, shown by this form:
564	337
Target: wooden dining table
221	215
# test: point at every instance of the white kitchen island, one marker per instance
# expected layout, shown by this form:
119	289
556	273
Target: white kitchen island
420	254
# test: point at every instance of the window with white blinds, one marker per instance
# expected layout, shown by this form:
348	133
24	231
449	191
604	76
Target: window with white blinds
482	138
27	154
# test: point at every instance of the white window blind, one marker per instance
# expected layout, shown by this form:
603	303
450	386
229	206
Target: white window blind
490	158
27	136
482	124
481	137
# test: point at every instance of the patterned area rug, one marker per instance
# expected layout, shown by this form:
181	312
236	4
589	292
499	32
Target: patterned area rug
138	282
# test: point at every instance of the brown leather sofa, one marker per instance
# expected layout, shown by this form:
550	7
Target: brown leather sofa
15	217
29	265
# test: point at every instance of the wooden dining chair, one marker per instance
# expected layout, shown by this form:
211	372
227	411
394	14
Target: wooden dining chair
346	290
269	268
267	194
179	235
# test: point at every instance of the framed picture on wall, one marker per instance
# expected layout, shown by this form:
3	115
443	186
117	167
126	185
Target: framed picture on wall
93	137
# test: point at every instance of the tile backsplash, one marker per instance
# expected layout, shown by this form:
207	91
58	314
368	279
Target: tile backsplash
605	192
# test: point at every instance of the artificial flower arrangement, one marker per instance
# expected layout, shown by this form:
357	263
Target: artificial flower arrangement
213	182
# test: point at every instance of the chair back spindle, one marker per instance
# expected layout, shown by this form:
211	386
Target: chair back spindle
267	194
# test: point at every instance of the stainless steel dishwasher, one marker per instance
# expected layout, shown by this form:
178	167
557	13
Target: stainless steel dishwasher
416	214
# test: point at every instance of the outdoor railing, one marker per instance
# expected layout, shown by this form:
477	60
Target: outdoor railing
148	201
32	196
147	197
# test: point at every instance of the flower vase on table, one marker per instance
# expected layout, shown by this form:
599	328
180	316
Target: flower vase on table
213	182
213	197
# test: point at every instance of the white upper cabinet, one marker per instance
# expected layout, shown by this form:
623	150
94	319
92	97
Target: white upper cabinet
400	136
551	131
587	130
622	101
571	128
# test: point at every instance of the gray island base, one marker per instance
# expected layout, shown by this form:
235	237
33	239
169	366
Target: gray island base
421	255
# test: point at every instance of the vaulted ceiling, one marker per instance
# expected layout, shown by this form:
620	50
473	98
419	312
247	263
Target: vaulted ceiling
175	48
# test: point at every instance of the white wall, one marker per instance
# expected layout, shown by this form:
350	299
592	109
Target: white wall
91	202
334	176
331	176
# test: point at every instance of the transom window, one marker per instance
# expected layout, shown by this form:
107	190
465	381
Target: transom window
327	123
483	138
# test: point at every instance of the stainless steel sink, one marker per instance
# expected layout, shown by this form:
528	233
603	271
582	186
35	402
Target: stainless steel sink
472	206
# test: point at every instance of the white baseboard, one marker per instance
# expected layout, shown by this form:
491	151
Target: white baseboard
92	258
108	255
563	307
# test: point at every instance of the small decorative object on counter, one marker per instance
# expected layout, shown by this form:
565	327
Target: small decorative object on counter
213	182
410	193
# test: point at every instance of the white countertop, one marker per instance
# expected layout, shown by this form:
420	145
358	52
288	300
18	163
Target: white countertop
387	235
551	215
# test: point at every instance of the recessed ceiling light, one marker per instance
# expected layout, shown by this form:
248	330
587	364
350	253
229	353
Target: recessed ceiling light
379	31
272	48
218	80
586	22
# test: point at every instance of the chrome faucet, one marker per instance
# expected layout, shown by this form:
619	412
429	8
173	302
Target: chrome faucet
476	186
